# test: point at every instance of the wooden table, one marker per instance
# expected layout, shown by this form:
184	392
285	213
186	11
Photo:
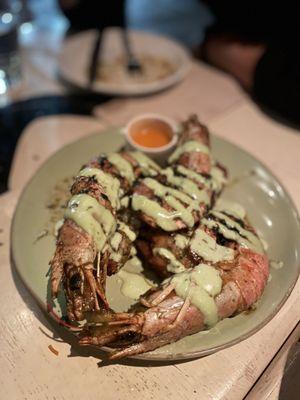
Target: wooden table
30	371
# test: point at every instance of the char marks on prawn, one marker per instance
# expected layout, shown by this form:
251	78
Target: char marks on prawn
209	258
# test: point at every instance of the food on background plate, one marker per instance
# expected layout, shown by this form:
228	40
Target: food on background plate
153	68
209	256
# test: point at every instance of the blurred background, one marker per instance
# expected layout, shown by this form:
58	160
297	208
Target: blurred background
254	43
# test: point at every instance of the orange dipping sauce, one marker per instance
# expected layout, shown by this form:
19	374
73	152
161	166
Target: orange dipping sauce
151	133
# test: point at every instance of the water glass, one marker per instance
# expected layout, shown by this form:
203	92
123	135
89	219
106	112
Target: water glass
10	71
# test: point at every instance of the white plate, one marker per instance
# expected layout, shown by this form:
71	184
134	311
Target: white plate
76	53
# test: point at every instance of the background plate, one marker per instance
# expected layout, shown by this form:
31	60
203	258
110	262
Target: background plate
269	208
81	44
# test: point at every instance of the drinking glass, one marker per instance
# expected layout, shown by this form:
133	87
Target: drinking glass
10	70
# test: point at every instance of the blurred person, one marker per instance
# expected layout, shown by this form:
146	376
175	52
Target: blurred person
184	21
254	41
46	14
93	14
257	42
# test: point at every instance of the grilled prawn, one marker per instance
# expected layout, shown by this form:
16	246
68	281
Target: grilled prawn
182	193
183	305
216	271
94	241
211	258
225	225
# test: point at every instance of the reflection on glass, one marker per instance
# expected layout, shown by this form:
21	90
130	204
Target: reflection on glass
9	53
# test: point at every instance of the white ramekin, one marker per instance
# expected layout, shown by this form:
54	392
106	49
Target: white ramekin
159	154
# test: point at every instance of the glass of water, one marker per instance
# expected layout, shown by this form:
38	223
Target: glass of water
10	69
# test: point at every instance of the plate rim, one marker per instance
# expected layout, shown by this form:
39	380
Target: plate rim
152	357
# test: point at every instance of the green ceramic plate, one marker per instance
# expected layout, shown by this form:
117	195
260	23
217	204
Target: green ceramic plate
269	207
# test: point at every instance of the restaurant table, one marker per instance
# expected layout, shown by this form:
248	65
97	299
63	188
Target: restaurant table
252	368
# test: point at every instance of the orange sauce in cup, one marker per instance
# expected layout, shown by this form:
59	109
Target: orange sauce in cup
151	133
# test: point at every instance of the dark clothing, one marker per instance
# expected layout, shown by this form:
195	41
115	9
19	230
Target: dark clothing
275	24
277	80
96	14
254	20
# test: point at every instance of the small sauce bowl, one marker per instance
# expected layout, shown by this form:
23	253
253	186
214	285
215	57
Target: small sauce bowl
153	134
